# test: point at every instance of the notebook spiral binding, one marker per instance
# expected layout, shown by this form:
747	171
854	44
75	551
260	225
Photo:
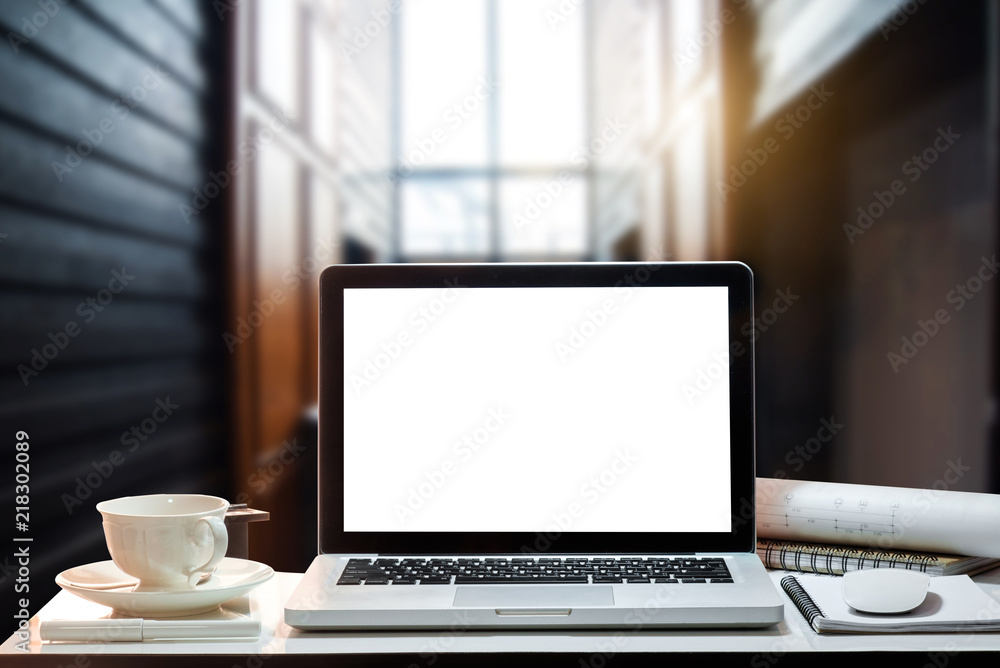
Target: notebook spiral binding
801	599
838	560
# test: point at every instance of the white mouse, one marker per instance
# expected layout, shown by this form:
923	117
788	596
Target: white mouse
885	591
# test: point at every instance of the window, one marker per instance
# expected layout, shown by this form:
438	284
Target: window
492	111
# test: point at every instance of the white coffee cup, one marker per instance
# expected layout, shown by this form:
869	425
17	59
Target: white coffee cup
167	541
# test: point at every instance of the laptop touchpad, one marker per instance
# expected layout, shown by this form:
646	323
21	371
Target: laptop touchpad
524	598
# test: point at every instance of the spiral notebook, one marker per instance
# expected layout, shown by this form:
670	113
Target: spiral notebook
954	603
840	559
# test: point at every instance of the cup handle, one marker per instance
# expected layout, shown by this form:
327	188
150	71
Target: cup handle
220	537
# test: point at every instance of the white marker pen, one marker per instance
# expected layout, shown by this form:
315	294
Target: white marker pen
137	630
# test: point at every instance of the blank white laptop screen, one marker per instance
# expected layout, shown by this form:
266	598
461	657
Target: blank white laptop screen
577	409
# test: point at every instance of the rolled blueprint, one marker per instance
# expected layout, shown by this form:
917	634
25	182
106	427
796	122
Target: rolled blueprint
926	520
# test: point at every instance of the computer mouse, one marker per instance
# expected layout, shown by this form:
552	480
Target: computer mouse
884	591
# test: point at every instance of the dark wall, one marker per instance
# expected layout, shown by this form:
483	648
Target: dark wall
827	357
110	295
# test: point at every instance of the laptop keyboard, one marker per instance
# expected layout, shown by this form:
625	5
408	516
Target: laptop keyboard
580	570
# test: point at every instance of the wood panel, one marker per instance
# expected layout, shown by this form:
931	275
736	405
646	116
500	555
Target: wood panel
89	253
96	189
142	27
98	327
277	340
84	118
86	51
284	231
859	296
324	249
187	15
116	96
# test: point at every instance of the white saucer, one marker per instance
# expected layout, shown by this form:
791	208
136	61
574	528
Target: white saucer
102	582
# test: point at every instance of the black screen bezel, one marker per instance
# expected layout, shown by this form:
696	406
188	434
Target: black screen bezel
736	276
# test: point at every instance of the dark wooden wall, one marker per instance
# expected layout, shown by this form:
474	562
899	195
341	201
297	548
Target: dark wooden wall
129	87
826	357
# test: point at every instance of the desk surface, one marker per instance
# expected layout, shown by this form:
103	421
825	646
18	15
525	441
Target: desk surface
790	642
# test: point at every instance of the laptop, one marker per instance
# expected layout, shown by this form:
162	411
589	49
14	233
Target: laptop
535	446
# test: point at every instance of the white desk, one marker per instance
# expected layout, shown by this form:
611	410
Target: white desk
789	643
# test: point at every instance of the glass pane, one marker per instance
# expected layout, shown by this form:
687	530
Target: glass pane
691	213
276	186
687	54
541	74
445	91
322	87
445	217
543	216
277	65
277	210
324	226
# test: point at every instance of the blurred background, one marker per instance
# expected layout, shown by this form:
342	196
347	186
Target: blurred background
174	174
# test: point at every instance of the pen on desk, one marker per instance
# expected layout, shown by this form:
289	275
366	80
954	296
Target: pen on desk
137	630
